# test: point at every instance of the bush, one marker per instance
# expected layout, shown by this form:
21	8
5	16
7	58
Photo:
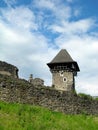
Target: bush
85	96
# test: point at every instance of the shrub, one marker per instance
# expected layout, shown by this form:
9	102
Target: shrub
85	96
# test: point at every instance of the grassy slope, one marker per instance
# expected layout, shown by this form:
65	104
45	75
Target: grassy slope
28	117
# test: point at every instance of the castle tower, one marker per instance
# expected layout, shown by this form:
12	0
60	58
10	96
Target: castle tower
63	69
31	78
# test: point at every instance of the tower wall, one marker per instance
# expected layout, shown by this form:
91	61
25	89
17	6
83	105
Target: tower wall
63	69
63	80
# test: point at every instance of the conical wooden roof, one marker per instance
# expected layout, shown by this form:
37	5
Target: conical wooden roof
62	57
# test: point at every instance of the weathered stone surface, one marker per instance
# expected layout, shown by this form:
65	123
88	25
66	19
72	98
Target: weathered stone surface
21	91
36	81
63	81
8	69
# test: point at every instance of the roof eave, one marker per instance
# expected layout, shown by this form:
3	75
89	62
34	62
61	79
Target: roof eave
74	62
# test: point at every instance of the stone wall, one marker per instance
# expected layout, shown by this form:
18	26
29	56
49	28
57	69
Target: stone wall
63	80
36	81
8	69
21	91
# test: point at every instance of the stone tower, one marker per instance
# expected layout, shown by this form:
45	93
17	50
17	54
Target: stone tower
63	69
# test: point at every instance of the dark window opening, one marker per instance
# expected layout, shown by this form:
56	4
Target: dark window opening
64	79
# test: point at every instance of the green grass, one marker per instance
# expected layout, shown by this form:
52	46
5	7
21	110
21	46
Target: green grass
28	117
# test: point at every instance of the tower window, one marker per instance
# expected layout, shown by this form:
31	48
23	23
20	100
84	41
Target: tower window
61	73
73	66
64	79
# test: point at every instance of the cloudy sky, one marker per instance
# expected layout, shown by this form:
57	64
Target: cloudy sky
32	32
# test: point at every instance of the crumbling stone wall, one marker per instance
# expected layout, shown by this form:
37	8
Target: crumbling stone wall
8	69
36	81
21	91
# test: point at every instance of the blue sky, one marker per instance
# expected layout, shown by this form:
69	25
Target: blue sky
32	32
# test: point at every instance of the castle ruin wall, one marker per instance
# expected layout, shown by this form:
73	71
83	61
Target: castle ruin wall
21	91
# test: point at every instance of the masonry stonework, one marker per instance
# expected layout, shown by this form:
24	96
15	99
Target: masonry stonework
36	81
64	79
8	69
63	70
21	91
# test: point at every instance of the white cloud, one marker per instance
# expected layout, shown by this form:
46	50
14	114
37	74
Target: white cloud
27	50
44	4
76	27
9	36
21	17
9	2
87	86
76	12
58	9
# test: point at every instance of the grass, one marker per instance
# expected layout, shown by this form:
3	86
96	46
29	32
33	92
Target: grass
28	117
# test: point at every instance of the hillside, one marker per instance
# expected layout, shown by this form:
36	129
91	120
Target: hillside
28	117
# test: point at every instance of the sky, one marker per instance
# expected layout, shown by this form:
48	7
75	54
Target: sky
32	32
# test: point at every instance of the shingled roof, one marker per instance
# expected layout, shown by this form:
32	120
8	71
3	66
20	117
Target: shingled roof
62	57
